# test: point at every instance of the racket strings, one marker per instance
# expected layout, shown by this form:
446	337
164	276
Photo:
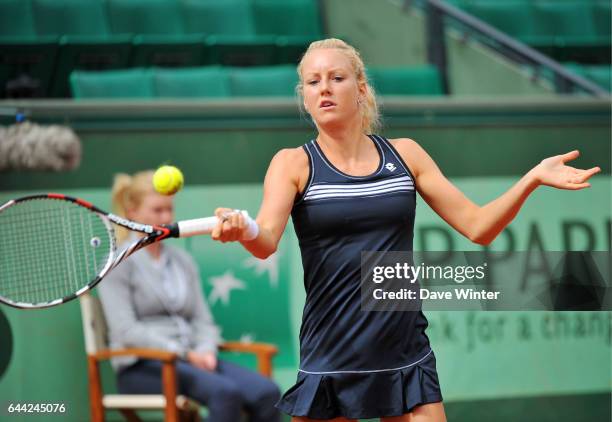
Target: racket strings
50	249
11	266
21	233
59	260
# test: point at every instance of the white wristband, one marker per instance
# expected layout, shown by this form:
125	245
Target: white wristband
252	228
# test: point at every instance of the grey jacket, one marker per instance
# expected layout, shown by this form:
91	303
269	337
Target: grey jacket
139	313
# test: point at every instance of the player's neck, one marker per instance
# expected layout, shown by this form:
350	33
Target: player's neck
345	142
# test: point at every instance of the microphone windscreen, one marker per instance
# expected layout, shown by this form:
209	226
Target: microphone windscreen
28	146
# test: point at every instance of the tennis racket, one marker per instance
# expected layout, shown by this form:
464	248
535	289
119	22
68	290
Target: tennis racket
54	248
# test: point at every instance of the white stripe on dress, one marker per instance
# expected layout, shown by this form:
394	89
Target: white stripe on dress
360	189
403	183
380	183
358	194
370	370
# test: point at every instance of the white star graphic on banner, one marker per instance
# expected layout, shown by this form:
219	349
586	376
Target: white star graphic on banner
269	265
222	287
247	338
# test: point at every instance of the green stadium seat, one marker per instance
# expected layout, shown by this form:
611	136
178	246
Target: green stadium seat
297	23
312	2
281	17
131	83
70	17
569	23
510	17
172	51
600	74
230	29
290	49
197	82
160	39
424	80
85	39
218	17
145	17
16	19
564	29
34	58
231	50
88	53
275	81
567	31
22	52
602	16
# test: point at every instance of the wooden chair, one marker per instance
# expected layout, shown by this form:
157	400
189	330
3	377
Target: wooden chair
176	407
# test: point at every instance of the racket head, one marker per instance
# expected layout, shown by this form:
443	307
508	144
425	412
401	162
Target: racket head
53	248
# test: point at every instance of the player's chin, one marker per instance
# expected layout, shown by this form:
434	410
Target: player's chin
329	119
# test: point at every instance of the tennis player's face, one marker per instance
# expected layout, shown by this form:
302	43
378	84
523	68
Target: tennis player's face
154	209
330	88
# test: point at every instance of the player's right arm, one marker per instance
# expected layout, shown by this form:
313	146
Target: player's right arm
286	176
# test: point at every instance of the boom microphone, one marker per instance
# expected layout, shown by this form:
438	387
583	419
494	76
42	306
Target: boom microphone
29	146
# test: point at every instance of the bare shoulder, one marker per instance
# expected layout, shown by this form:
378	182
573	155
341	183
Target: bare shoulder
405	145
411	152
291	156
292	163
290	160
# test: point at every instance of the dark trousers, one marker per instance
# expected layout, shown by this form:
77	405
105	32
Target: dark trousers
226	391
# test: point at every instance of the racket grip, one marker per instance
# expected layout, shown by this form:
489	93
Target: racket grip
206	225
197	226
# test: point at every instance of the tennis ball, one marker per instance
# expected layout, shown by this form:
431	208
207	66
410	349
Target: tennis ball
168	180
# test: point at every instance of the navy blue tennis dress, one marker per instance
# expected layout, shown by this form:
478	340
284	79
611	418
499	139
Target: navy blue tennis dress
354	363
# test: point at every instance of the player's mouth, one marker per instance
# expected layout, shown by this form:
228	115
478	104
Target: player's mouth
327	104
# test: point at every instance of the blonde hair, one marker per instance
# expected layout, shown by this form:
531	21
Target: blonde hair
370	121
128	193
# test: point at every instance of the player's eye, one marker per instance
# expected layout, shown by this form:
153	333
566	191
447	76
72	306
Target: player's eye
338	78
312	82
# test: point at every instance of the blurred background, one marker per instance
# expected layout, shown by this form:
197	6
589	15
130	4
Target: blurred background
488	87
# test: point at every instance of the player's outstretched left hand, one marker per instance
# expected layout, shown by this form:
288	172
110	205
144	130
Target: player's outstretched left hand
554	172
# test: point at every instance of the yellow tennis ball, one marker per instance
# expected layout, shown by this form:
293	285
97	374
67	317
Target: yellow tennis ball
168	180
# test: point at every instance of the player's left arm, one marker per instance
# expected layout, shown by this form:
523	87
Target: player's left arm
481	224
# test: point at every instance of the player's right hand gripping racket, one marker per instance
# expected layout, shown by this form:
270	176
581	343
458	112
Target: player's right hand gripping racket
54	248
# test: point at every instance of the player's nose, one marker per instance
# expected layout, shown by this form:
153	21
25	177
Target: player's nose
324	86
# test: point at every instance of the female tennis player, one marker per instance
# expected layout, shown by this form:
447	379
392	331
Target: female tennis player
350	191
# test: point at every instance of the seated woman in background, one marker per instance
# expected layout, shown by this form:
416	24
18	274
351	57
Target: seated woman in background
154	300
